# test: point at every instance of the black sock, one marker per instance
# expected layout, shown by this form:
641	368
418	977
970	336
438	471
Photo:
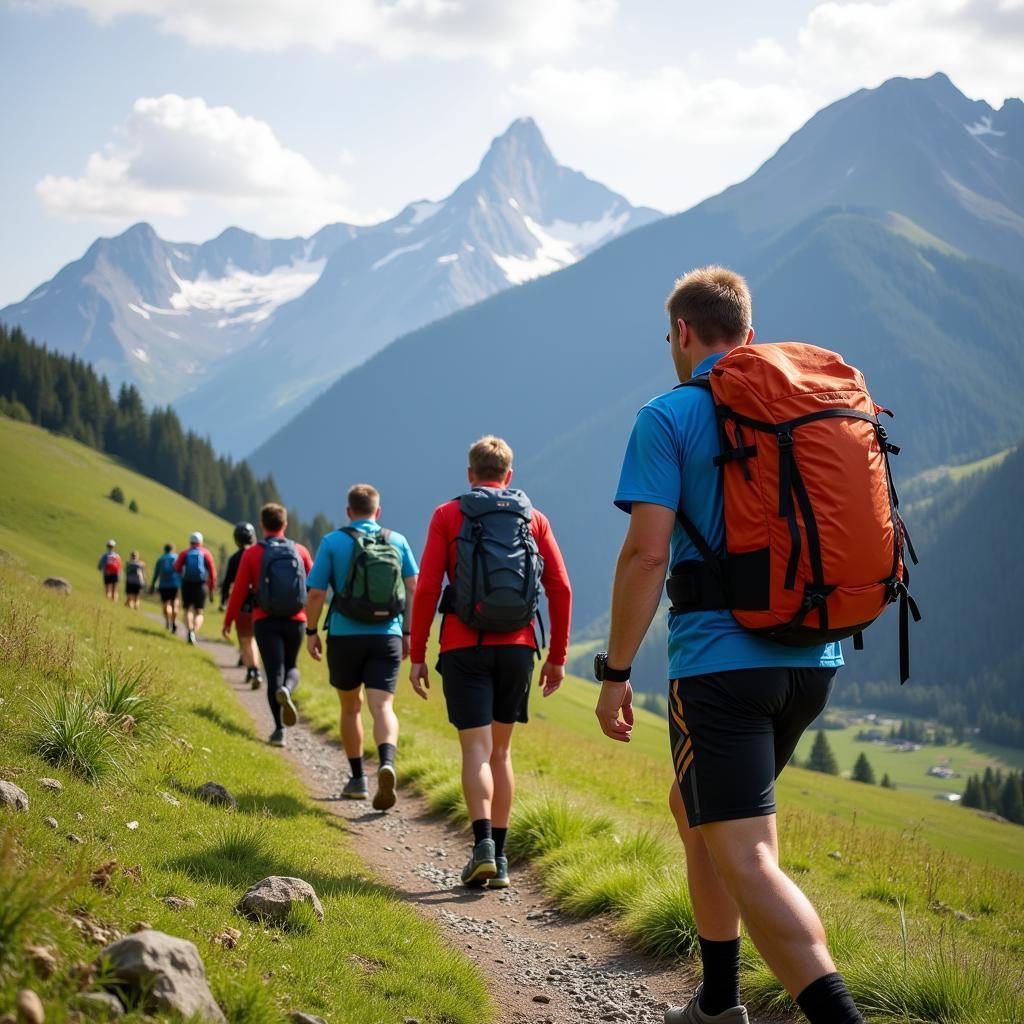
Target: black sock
498	835
481	830
828	1001
356	764
721	961
386	754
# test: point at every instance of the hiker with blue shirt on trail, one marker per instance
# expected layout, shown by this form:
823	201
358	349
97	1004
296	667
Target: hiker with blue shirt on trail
372	572
738	701
168	582
198	574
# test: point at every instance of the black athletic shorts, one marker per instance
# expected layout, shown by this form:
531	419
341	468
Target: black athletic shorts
193	595
733	732
487	684
131	589
372	659
168	594
111	578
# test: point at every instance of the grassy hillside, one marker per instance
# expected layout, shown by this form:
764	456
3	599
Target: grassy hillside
373	958
56	515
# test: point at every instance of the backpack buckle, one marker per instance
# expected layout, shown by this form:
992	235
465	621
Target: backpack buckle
785	439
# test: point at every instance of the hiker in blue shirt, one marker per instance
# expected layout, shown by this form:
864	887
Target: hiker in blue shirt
167	580
373	575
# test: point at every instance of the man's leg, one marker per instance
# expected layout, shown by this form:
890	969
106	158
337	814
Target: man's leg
477	780
351	727
385	721
504	780
197	620
271	648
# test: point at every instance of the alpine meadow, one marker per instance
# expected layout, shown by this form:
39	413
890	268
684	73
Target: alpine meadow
380	490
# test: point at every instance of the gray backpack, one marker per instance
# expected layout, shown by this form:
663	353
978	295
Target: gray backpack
498	567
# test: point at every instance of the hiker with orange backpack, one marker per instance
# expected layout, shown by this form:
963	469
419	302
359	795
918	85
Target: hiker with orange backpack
763	482
110	566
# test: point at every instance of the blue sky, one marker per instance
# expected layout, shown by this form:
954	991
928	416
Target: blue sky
282	115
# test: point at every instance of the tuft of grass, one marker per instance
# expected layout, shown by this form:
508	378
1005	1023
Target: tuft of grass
660	919
544	823
245	1000
121	693
69	733
243	841
301	918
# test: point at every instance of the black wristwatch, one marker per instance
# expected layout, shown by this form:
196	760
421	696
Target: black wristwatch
604	673
311	632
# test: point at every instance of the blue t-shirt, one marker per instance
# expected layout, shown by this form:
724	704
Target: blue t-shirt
668	462
165	572
331	567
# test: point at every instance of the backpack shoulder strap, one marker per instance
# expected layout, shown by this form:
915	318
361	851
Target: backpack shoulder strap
385	535
351	531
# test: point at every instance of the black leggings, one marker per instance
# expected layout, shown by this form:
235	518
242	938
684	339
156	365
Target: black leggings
279	641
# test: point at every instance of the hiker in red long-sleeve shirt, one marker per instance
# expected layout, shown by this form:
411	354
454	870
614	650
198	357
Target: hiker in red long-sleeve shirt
198	574
273	573
497	552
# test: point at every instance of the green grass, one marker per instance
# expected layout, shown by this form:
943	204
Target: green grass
83	683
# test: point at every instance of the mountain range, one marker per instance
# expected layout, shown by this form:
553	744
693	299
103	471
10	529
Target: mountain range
210	326
560	365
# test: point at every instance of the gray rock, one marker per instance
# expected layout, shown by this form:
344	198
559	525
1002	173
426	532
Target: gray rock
273	898
166	971
53	784
99	1004
216	794
51	822
57	583
305	1018
178	902
13	796
72	838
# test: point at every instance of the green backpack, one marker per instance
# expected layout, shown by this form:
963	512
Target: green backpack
374	590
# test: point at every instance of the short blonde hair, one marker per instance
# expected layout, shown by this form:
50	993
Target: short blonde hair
490	458
715	301
363	499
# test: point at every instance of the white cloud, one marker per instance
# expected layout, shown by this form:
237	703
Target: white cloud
766	54
173	152
494	31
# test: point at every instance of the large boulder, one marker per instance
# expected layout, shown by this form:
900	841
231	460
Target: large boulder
215	793
163	969
274	897
13	796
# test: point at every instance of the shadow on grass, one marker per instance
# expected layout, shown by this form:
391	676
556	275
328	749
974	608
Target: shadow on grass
211	714
278	805
153	633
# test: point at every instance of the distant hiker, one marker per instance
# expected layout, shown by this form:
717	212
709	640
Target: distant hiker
738	701
167	581
110	566
274	571
372	572
245	537
198	574
497	551
134	580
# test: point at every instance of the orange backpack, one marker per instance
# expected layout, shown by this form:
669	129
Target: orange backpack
813	534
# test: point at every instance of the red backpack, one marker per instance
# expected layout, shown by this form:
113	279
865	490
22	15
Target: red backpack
813	535
112	566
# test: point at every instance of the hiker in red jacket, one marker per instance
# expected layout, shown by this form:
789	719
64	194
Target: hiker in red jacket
198	574
487	670
110	566
273	575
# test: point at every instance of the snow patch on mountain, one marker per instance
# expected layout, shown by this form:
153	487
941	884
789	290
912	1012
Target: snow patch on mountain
983	126
395	253
251	298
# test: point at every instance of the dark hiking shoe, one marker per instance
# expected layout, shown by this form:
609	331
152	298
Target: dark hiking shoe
277	738
384	798
500	880
481	866
357	788
289	713
254	678
240	662
691	1013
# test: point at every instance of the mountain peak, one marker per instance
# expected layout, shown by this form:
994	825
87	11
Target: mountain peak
521	141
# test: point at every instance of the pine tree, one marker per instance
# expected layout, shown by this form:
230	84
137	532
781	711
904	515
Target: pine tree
822	759
133	506
1011	803
862	770
117	495
973	796
887	782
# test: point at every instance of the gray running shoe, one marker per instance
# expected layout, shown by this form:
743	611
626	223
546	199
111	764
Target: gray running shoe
277	738
384	798
289	713
191	637
481	866
500	880
691	1013
254	678
356	788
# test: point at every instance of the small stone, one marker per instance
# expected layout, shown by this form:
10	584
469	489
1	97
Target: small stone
99	1004
79	816
57	584
411	1020
216	794
43	960
134	872
140	926
53	784
102	875
173	801
178	902
50	822
29	1007
132	826
836	855
13	796
541	998
227	938
273	898
72	838
961	916
305	1018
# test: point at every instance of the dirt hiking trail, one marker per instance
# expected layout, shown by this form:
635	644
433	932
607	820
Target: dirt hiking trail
540	965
